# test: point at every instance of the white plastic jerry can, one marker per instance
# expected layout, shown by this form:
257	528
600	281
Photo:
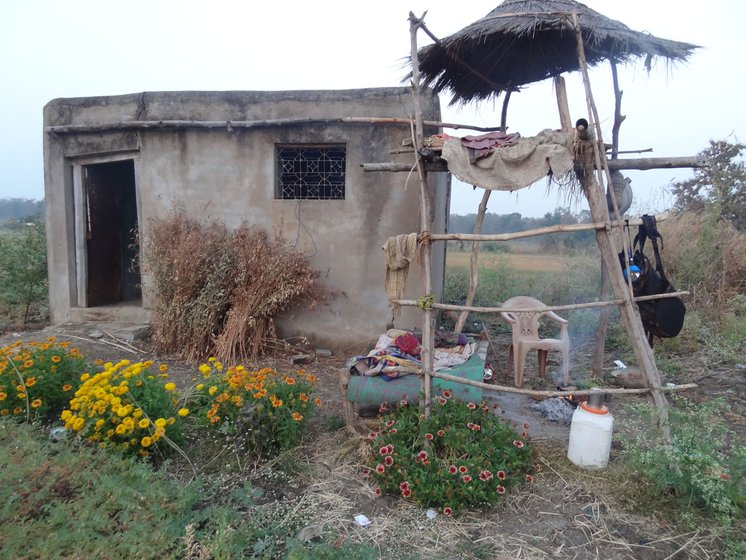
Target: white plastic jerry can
590	436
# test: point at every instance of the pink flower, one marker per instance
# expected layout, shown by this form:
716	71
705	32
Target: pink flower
441	433
452	469
485	476
384	407
404	402
470	425
406	493
501	489
471	406
447	511
525	425
390	448
422	456
378	491
524	435
373	435
447	394
501	475
380	469
388	460
404	486
366	472
462	469
466	478
389	423
529	478
393	430
428	436
384	450
518	444
442	400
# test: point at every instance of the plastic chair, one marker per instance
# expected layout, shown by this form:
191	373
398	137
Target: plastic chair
525	325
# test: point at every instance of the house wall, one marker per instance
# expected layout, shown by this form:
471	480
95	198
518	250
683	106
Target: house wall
229	176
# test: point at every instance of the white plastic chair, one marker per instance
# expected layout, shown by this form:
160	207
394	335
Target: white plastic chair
525	325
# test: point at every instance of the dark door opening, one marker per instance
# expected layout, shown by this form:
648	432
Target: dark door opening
111	233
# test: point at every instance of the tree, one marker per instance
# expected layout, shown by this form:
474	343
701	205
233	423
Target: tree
719	188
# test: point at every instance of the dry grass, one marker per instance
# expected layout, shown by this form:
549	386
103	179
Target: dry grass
217	291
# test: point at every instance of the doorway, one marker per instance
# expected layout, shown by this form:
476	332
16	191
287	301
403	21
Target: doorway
111	248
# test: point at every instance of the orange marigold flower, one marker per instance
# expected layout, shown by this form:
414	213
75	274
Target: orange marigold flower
28	363
297	417
56	359
31	381
36	403
290	381
67	387
277	403
317	401
303	397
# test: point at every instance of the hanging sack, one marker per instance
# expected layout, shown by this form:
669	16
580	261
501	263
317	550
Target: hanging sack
663	318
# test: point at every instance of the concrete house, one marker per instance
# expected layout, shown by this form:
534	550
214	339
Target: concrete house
288	162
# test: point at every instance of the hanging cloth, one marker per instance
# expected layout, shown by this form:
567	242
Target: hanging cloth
399	252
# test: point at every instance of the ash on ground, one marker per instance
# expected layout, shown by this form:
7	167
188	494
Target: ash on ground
555	410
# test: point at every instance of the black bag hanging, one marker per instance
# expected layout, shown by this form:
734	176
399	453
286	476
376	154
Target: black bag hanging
664	317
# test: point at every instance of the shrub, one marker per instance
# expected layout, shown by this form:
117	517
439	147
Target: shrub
23	270
38	379
702	465
462	456
266	409
127	408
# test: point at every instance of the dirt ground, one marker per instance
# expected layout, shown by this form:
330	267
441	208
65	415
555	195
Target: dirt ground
566	513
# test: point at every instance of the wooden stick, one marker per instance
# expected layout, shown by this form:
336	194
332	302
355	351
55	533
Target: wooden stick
620	164
473	272
568	307
562	104
536	393
264	123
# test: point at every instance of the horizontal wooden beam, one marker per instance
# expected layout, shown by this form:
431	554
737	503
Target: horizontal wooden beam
229	125
614	164
449	307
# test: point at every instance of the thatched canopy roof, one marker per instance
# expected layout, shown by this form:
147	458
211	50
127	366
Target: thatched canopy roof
525	41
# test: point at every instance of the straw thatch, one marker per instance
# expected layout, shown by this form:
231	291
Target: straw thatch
525	41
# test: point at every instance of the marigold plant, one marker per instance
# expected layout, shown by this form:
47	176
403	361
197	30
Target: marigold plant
127	408
462	456
38	379
267	408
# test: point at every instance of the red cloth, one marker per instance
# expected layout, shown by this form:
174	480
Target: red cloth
408	343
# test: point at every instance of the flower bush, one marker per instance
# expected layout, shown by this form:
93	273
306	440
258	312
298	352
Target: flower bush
38	379
128	408
267	408
462	456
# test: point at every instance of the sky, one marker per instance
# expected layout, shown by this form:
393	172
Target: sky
81	48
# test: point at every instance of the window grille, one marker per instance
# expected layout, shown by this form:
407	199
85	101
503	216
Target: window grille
315	172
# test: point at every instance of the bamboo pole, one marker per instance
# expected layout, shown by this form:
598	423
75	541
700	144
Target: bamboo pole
562	104
597	204
618	164
428	327
230	125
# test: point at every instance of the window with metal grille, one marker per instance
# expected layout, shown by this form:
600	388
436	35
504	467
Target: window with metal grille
315	172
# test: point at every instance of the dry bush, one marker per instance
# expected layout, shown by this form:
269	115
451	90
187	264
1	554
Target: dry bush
217	291
705	256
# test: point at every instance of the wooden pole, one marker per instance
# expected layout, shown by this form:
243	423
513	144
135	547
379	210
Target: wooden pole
597	205
428	326
562	104
473	273
620	164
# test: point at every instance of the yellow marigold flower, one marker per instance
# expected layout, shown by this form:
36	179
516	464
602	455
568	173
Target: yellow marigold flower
65	416
20	388
171	421
159	432
200	386
36	403
144	423
211	359
297	417
21	395
137	413
160	423
122	411
56	359
138	383
146	441
31	381
183	412
169	386
51	339
78	424
109	433
85	377
99	423
163	367
67	387
218	366
121	429
213	390
3	396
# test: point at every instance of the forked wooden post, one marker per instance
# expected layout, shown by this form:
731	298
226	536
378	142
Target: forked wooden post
428	326
599	212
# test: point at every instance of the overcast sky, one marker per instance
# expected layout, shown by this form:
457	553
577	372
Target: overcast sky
78	48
